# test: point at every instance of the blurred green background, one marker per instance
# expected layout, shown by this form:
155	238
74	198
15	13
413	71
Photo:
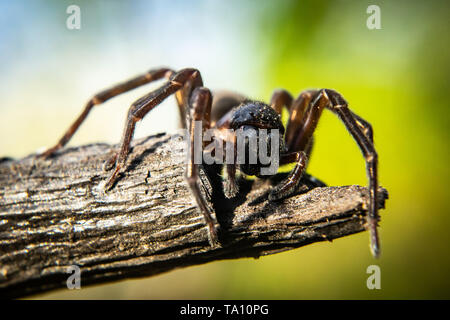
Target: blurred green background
397	78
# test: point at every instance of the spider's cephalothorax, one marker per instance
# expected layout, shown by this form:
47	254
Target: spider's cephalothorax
233	111
248	120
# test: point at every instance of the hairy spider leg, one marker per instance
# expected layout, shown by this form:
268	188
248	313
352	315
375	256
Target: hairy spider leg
281	98
200	110
297	113
183	97
289	185
298	109
361	132
139	109
199	103
105	95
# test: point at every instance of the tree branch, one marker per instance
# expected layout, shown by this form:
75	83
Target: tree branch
54	214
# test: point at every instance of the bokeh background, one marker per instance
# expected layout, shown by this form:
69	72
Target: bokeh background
397	78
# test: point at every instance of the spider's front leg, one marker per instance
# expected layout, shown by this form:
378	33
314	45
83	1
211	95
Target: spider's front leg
302	133
198	100
200	111
139	109
362	132
289	185
296	109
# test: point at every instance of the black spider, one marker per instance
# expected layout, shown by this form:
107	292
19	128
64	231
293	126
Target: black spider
231	111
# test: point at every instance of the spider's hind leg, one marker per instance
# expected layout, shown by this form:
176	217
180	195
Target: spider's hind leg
102	97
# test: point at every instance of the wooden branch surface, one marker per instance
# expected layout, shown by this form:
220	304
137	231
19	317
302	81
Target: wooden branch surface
54	214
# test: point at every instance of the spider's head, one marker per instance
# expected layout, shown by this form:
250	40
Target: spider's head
259	138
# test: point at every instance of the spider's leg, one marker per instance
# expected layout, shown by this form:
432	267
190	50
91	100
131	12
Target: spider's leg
363	135
289	185
103	96
297	112
280	98
364	125
183	97
298	108
140	108
360	130
200	110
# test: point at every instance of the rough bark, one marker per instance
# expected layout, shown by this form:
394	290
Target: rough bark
54	214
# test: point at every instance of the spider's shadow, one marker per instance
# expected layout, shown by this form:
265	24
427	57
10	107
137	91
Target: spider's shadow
137	159
225	207
307	183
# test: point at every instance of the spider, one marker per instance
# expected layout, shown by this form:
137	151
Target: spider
232	111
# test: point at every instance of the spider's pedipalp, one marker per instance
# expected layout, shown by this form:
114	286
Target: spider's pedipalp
290	184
